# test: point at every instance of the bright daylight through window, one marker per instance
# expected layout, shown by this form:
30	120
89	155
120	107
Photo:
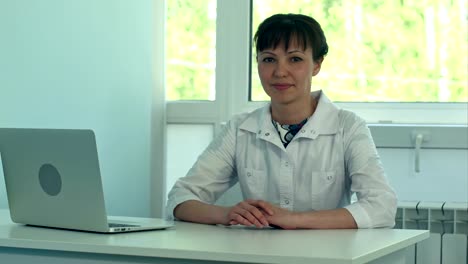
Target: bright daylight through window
191	49
384	51
380	51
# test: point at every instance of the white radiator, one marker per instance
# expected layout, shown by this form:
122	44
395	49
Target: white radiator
448	224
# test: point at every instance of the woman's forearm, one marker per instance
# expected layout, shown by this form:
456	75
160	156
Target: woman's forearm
199	212
326	219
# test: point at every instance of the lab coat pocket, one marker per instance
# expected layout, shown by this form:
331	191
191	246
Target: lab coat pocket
322	182
327	189
254	183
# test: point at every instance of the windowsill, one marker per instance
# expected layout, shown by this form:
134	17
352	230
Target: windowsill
435	136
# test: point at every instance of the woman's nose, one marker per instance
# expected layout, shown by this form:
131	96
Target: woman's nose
280	69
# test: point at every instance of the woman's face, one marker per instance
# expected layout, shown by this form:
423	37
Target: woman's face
286	75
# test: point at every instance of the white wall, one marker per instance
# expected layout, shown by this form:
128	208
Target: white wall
443	176
84	64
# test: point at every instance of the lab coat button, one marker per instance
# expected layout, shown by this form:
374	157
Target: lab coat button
286	201
267	134
249	174
303	131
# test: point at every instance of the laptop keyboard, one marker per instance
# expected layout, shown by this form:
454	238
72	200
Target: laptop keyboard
121	225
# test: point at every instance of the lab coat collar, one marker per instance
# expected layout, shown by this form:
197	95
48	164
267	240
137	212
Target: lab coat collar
324	120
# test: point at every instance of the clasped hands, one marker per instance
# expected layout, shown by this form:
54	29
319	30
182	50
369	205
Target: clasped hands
260	214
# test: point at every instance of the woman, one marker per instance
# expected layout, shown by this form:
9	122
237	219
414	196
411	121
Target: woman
299	159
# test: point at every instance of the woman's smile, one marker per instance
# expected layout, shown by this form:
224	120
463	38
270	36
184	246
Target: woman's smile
281	86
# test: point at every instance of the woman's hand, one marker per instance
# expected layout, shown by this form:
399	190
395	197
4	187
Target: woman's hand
250	213
275	216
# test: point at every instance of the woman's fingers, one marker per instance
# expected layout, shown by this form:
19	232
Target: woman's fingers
247	220
251	217
247	214
262	205
256	212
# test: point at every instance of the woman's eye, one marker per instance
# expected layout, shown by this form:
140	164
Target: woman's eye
268	59
296	59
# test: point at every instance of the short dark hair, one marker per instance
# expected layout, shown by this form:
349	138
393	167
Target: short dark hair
281	28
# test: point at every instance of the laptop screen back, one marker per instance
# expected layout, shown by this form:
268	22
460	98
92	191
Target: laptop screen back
52	178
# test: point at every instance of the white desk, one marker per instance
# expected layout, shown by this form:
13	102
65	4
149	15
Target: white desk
196	243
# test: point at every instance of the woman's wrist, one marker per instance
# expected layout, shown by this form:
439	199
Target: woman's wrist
298	219
223	215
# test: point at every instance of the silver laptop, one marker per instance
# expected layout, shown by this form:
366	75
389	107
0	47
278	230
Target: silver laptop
52	179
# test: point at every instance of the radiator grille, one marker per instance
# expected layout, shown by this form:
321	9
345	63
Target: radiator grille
448	225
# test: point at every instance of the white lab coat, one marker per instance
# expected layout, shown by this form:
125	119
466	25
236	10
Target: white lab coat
331	157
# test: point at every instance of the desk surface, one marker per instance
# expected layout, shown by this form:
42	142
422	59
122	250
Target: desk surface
208	242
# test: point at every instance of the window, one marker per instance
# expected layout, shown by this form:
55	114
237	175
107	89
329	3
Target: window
389	61
383	51
191	50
